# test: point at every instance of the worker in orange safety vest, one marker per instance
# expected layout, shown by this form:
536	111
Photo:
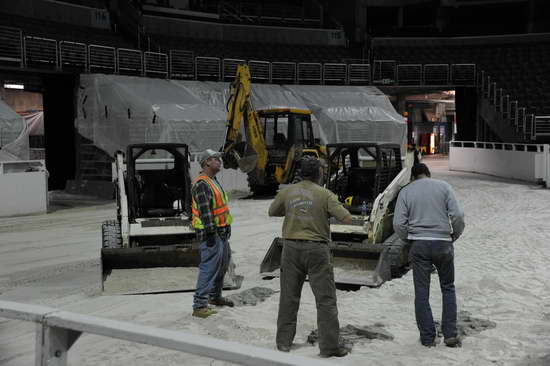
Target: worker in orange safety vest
211	220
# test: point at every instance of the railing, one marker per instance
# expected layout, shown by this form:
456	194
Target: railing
359	74
207	68
529	126
11	45
436	74
230	68
384	72
73	55
408	74
283	72
260	71
40	52
182	64
335	73
310	73
542	126
101	59
520	124
58	330
156	64
514	113
463	74
129	62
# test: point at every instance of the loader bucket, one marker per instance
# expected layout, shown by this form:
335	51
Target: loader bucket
354	263
272	261
155	269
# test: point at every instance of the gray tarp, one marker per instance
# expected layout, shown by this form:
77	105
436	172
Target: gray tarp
115	111
353	113
14	134
35	123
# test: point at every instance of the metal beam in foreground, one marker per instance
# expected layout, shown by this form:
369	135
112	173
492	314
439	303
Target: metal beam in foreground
58	330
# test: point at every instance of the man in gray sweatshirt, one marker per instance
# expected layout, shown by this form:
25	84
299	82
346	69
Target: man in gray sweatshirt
428	214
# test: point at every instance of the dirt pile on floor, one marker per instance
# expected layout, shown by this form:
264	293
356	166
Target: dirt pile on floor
351	334
468	325
251	296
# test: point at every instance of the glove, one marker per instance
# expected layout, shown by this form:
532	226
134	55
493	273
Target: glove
211	239
225	234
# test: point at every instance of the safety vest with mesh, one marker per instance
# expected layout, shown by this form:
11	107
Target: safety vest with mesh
220	209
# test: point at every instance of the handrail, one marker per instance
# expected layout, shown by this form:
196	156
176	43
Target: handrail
58	330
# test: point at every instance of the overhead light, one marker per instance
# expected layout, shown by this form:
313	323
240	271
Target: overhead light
14	86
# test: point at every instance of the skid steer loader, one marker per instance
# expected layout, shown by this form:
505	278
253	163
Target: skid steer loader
366	177
151	246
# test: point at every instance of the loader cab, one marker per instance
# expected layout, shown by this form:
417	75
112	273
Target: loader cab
285	128
158	181
358	172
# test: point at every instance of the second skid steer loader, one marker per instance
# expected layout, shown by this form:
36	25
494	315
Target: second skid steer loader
366	177
151	246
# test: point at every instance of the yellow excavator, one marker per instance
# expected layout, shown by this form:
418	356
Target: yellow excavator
273	139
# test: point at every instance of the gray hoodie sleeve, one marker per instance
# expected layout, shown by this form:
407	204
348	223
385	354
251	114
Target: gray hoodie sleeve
401	217
456	214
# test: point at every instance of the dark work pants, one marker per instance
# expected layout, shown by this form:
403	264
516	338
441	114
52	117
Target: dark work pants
301	258
423	254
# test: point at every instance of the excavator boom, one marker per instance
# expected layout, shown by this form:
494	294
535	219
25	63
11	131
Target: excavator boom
251	154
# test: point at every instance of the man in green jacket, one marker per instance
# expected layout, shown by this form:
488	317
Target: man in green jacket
307	208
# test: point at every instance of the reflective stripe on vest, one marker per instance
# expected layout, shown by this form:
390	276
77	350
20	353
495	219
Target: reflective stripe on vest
220	210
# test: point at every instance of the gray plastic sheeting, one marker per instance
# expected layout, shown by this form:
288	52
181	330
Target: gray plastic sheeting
353	113
114	111
14	135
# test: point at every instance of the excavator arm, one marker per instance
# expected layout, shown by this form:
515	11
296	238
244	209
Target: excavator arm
252	153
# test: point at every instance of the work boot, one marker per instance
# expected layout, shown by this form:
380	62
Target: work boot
453	342
428	344
221	301
204	312
283	348
339	352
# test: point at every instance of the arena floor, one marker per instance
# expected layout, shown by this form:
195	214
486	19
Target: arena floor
502	269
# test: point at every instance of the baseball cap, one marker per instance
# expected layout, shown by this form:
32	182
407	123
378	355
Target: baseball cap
207	154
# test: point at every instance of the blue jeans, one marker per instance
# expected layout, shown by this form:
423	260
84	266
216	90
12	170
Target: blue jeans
214	264
423	255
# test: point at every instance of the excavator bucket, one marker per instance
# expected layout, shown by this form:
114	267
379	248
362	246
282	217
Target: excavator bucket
146	270
354	263
249	160
248	163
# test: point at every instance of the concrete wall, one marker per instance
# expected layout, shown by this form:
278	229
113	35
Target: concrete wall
242	33
517	161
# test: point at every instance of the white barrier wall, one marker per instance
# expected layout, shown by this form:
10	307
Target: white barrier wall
23	187
527	162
